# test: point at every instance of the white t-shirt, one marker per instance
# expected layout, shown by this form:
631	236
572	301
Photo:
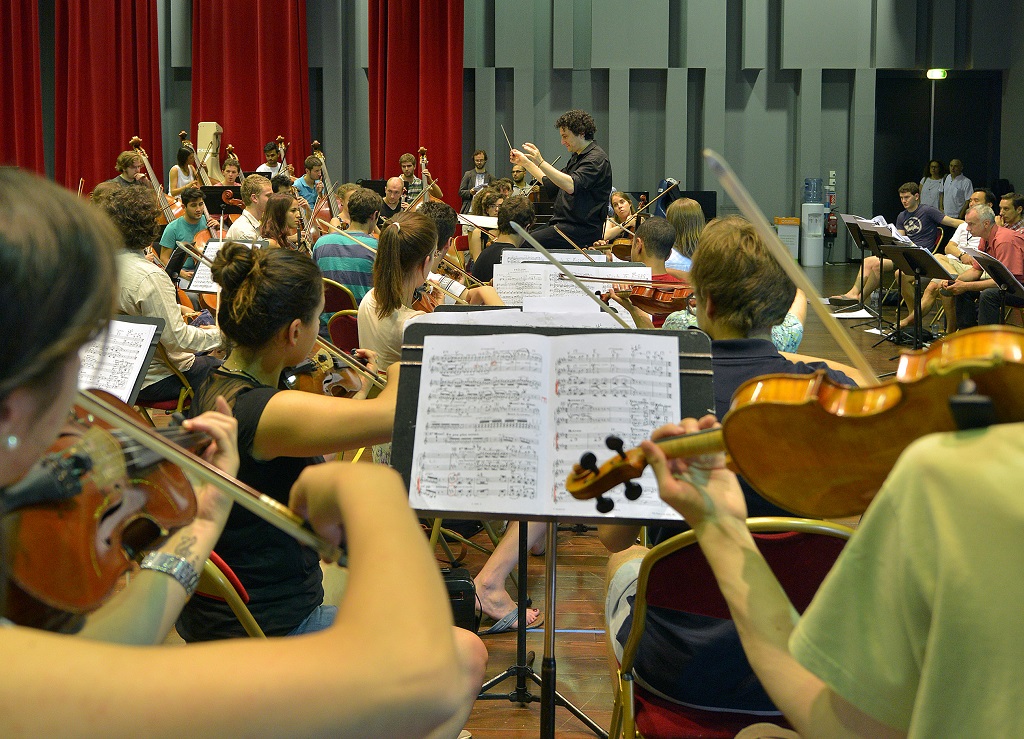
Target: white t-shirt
383	336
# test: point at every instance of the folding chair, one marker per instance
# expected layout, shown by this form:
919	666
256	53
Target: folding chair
218	581
168	406
675	575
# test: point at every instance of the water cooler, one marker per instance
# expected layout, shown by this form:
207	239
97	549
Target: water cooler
812	224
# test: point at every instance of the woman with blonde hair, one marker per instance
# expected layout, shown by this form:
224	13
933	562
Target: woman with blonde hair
687	219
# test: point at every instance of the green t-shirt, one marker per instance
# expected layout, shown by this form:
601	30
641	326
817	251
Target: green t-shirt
921	622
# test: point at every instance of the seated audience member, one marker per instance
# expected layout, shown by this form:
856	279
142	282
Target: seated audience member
145	290
412	679
516	209
977	298
741	291
347	263
920	223
882	650
256	190
1011	211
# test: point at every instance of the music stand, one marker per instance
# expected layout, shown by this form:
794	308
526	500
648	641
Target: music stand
696	398
921	263
853	227
1004	279
875	240
217	197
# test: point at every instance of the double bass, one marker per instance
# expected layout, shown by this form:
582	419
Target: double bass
170	208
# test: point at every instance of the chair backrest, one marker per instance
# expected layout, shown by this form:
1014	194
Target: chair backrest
218	581
344	330
799	551
337	297
462	243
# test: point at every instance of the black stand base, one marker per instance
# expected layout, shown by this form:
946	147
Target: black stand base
523	668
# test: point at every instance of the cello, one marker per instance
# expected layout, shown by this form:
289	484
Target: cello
170	208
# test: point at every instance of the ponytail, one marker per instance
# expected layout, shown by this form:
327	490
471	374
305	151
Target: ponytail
404	244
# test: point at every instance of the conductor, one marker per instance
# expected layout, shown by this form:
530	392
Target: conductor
581	190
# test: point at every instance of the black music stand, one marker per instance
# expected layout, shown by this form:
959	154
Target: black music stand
216	198
853	227
1004	279
913	260
875	240
696	399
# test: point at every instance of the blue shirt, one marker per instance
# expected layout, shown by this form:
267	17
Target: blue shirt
306	191
181	230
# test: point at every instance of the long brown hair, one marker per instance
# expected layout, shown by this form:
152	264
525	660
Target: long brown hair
275	218
404	244
263	290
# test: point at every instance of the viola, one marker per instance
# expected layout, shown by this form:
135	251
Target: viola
108	500
834	445
323	374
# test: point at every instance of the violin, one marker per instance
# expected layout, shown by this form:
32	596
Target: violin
170	208
834	445
323	374
656	299
107	500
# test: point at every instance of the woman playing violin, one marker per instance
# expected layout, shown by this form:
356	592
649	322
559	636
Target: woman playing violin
269	309
58	289
406	254
280	223
740	292
183	174
486	203
622	209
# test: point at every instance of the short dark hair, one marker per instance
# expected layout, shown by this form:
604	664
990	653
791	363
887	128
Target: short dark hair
182	157
990	197
363	203
1015	198
407	158
515	209
480	151
269	147
134	212
658	236
580	122
282	182
911	187
191	195
444	217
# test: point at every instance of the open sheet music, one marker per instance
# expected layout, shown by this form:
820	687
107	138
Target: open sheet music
501	419
202	280
514	282
117	360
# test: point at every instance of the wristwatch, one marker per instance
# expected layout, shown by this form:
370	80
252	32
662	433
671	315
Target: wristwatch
177	567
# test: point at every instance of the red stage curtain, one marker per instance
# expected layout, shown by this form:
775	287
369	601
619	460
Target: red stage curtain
20	96
107	87
415	78
250	74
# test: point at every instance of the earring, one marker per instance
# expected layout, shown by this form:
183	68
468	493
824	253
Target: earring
12	442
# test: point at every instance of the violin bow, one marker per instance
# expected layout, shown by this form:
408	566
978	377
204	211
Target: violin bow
641	210
262	505
573	243
732	185
565	271
81	184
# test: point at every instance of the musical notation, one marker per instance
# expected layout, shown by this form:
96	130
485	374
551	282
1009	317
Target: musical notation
501	419
114	360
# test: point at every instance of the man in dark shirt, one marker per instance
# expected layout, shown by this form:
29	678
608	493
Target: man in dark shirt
515	209
581	190
128	166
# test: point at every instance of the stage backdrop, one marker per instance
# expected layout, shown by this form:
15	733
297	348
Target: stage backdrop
415	78
107	87
250	74
21	96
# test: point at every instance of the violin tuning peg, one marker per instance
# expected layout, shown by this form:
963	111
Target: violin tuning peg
633	490
616	445
604	504
589	462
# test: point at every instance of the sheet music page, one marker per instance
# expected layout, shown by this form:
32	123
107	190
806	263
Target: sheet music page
517	318
202	280
514	282
518	256
557	284
480	421
624	385
114	360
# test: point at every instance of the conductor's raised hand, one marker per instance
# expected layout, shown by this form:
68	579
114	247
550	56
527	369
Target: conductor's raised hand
701	489
533	154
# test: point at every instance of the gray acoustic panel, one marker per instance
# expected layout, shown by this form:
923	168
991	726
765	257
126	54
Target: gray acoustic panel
617	138
895	34
944	32
676	123
819	35
513	46
755	34
809	132
862	142
180	22
475	28
703	25
633	36
564	35
990	47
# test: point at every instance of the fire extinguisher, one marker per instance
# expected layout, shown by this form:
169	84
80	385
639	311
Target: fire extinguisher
831	224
